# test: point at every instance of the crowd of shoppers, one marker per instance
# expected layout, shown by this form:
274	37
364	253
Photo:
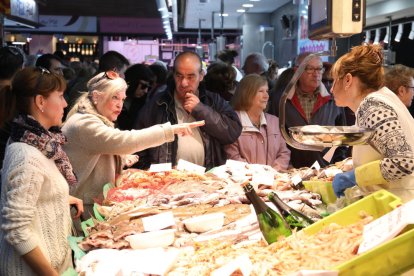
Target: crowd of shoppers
120	115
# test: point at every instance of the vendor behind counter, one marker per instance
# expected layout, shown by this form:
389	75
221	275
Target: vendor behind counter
388	161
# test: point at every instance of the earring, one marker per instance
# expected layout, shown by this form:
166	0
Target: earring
95	103
42	110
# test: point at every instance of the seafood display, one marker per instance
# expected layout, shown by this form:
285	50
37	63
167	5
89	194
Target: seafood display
111	233
142	194
333	245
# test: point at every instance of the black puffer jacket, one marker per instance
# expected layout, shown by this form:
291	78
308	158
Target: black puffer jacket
222	127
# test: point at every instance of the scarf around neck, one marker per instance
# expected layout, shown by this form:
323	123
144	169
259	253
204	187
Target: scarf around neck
27	130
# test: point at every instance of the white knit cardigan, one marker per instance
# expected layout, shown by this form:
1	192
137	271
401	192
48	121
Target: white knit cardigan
34	210
94	144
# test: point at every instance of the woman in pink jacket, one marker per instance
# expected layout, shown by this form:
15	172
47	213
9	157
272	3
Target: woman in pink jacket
260	141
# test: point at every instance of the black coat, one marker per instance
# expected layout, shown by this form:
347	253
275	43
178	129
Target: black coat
222	127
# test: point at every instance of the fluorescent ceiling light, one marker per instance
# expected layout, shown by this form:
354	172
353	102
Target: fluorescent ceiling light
224	14
241	10
248	5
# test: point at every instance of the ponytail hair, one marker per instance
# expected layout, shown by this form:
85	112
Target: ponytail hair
7	104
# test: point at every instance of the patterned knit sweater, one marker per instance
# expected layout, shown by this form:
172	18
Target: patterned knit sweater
34	211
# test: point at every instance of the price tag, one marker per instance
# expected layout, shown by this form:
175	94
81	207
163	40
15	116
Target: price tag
158	222
190	167
236	165
315	273
237	169
266	178
316	166
242	262
329	154
163	167
387	227
296	180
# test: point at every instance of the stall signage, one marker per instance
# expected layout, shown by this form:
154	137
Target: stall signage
130	25
190	167
387	227
25	9
67	24
158	222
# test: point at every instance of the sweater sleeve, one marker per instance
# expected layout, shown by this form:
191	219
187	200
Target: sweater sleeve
389	139
99	138
22	187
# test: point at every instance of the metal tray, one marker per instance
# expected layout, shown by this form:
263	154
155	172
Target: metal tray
328	136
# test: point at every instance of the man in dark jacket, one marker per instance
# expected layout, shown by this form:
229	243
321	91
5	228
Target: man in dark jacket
186	101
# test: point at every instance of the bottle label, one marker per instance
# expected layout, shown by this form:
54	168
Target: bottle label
248	188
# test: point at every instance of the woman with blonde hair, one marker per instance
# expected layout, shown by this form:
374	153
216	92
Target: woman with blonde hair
260	141
388	161
98	150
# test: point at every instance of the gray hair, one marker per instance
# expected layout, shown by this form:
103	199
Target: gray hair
105	85
259	59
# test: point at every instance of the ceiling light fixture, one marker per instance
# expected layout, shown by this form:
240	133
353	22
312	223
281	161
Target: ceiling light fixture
248	5
399	33
367	37
165	15
241	10
377	36
387	35
411	35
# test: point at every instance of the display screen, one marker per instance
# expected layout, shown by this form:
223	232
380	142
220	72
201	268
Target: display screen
318	11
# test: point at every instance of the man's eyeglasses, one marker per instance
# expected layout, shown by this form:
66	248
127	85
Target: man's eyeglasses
412	87
311	70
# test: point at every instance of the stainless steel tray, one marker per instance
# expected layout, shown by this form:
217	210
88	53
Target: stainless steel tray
328	136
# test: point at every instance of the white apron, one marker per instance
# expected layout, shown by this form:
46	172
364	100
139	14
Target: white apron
403	188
